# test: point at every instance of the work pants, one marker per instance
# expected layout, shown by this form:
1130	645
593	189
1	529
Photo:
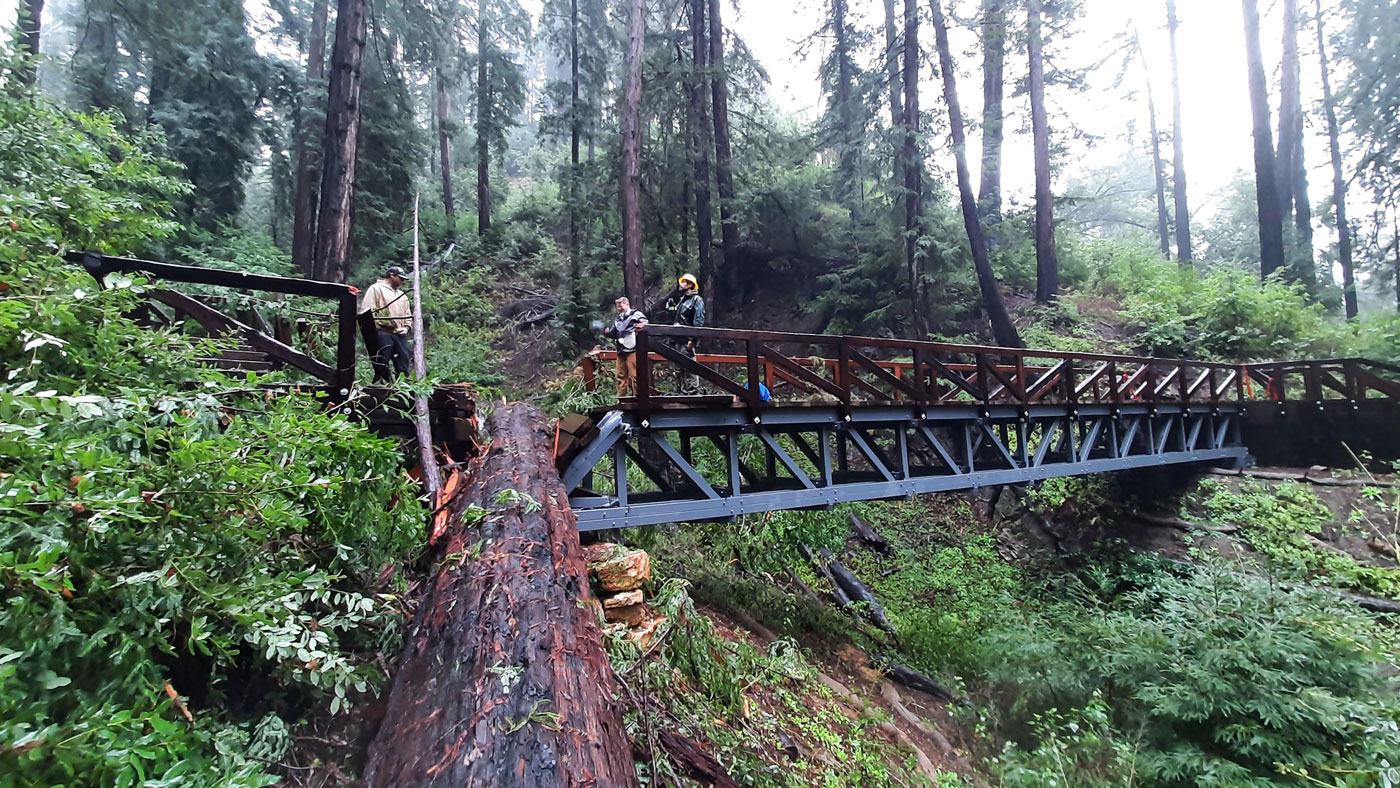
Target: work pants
393	354
690	383
626	374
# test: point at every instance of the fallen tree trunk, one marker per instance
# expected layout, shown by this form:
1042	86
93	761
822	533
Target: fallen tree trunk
503	681
857	592
869	535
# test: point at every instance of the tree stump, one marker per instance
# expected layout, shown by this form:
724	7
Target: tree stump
504	681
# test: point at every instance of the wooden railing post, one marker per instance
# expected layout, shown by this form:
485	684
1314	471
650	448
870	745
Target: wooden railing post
755	396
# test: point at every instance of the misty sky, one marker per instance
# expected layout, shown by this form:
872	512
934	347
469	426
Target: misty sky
1214	89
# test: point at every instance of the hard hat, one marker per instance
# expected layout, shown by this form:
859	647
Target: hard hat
695	283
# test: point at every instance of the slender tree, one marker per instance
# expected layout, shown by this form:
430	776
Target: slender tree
724	173
341	142
575	133
1047	276
1291	174
308	157
1163	239
993	117
1002	327
700	144
845	113
633	283
1183	213
913	167
893	46
483	112
1339	186
31	15
1266	189
444	138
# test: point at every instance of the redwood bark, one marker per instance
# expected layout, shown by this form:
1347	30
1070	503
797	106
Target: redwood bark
700	150
1002	327
632	155
724	174
993	118
1183	213
308	165
445	152
504	680
341	143
913	167
483	137
1047	274
1339	186
1266	189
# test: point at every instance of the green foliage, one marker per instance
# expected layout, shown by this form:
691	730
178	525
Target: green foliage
1277	521
1224	678
461	327
1221	313
186	568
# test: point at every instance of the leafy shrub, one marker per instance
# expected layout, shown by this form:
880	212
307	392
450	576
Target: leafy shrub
182	564
1231	681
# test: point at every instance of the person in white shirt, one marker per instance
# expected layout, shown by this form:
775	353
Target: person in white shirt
393	317
624	332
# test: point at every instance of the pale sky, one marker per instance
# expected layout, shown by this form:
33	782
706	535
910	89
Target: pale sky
1215	100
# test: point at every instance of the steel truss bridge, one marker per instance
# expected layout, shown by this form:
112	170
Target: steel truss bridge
859	418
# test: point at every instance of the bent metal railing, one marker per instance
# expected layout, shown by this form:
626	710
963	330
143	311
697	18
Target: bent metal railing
265	343
845	370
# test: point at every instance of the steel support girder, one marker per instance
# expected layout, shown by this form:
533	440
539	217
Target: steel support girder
1006	446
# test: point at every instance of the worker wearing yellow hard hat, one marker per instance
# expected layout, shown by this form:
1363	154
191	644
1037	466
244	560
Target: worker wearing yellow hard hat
689	310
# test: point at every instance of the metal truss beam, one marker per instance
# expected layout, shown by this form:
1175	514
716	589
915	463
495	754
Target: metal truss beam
819	456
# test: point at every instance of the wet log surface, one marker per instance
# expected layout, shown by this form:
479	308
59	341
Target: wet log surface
504	681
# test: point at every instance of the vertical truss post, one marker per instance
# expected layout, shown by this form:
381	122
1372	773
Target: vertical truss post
619	453
901	445
824	451
731	457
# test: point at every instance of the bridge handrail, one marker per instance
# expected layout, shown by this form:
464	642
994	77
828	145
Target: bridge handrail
997	375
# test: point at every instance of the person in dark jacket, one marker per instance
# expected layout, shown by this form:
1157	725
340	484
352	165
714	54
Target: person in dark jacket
689	310
626	324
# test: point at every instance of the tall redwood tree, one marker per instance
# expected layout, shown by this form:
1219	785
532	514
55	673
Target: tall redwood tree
1183	212
1002	327
630	193
1266	189
1047	269
341	143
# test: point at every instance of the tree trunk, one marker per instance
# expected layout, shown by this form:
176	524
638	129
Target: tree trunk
700	150
1163	239
633	283
847	166
1002	327
445	153
1183	213
913	168
1339	186
483	136
724	175
575	133
31	15
1047	274
341	143
1293	175
1266	190
1289	104
993	119
503	680
893	47
308	168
